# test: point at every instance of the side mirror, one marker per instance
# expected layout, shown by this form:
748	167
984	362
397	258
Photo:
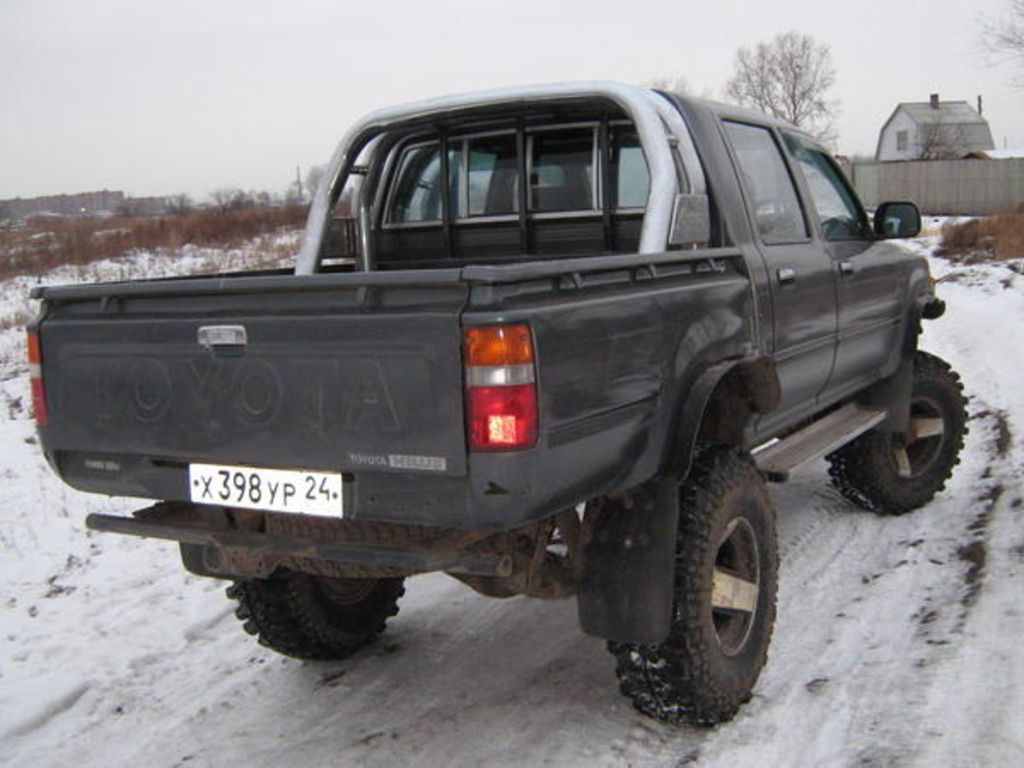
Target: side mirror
894	220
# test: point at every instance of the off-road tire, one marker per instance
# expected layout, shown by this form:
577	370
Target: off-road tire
866	470
315	617
695	676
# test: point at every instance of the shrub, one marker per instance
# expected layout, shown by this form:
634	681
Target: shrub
999	237
45	244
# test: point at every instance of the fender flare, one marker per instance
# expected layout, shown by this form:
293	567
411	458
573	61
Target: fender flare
756	384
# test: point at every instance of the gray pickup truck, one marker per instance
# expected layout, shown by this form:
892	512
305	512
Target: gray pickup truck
550	341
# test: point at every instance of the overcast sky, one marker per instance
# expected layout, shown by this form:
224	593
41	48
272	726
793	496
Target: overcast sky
165	96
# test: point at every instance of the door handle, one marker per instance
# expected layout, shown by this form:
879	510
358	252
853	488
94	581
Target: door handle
846	268
786	276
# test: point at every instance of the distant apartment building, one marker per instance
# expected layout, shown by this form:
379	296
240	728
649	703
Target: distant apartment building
144	206
78	204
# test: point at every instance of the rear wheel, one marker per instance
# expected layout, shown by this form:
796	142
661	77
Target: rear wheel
315	617
890	474
724	603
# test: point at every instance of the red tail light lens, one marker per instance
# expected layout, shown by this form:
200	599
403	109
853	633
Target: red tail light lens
35	367
502	418
501	388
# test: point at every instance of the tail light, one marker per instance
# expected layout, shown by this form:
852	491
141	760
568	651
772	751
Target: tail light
501	388
35	368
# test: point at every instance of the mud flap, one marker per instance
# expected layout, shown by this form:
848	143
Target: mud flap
629	567
893	394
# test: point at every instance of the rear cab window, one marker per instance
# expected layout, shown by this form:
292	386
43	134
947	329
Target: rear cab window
576	200
562	170
492	176
563	164
416	196
631	180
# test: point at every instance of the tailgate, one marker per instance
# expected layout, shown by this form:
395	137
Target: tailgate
332	374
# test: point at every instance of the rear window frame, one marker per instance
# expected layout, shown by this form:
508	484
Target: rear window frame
461	143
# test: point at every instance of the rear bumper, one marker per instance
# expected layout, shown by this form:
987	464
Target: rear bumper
338	542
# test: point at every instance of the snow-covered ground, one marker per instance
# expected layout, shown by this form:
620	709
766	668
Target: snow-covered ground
898	640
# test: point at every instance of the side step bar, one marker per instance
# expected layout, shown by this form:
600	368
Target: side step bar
348	553
777	460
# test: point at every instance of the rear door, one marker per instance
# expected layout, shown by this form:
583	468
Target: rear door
802	280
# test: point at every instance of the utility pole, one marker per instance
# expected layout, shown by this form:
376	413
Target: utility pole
298	183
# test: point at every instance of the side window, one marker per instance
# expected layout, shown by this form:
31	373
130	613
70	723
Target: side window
837	208
901	140
417	191
562	170
630	178
493	176
774	200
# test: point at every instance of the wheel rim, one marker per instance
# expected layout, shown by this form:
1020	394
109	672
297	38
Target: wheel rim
915	455
735	586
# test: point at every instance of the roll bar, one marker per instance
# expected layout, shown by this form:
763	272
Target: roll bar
654	118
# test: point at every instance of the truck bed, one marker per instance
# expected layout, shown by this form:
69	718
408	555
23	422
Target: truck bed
362	373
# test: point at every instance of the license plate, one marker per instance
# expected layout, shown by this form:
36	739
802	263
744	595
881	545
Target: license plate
276	490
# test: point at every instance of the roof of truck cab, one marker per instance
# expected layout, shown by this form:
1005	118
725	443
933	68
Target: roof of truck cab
734	111
527	93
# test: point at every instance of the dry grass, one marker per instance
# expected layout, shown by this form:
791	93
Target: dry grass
993	238
45	245
17	319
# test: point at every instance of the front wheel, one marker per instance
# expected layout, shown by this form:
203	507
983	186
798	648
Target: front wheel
890	474
724	601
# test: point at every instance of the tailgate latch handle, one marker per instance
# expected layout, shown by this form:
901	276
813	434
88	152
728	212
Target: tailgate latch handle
211	336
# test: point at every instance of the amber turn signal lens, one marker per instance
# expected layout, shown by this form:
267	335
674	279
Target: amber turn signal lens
499	345
35	356
35	367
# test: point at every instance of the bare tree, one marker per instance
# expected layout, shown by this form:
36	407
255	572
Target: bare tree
313	176
231	199
941	141
179	204
788	77
1003	35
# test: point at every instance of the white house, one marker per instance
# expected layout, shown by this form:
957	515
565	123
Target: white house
933	130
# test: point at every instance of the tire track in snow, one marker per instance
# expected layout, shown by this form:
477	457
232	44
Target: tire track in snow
48	713
869	621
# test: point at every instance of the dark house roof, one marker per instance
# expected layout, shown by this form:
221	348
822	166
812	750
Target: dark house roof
947	112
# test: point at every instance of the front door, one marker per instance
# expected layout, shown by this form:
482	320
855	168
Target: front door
871	286
802	280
